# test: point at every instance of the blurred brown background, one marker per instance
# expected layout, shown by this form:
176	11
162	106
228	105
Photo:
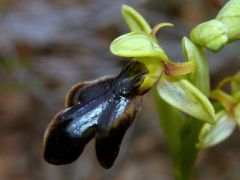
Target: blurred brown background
47	46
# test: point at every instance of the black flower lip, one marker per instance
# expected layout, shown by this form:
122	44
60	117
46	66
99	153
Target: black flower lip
104	109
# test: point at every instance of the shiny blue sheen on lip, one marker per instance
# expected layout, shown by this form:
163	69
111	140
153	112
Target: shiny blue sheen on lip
114	112
120	108
85	120
104	109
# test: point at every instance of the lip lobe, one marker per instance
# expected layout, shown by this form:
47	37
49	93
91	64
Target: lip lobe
104	108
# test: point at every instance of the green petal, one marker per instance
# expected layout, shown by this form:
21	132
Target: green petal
187	98
137	44
211	135
159	26
155	68
134	20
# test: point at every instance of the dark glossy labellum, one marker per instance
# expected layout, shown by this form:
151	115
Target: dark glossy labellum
104	108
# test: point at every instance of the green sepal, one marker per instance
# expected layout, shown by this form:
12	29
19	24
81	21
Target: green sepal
137	45
200	78
181	94
213	134
134	20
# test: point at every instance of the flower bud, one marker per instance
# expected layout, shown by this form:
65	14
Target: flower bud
212	34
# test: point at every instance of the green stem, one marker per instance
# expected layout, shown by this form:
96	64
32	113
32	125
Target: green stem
181	132
180	135
188	152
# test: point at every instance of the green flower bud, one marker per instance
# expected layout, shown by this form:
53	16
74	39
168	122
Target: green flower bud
225	28
212	34
230	17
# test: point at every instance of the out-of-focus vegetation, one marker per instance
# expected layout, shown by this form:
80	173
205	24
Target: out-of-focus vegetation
47	46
